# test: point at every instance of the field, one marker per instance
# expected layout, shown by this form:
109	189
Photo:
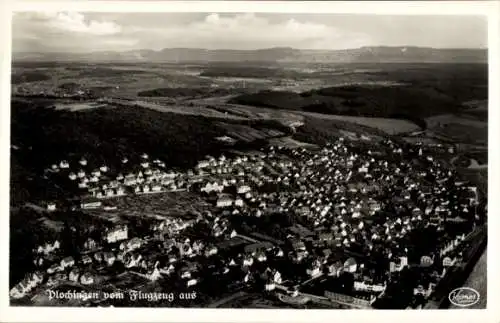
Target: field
386	125
357	100
177	204
289	142
176	111
249	134
462	128
78	106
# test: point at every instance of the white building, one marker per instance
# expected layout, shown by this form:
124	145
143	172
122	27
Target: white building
118	233
224	201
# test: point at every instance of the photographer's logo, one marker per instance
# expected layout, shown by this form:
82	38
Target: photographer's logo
464	296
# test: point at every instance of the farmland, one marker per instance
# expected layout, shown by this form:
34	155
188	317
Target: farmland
178	204
249	134
413	92
289	142
467	128
386	125
178	111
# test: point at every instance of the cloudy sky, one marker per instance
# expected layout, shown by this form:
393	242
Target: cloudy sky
91	31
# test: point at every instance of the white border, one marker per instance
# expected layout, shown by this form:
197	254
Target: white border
491	314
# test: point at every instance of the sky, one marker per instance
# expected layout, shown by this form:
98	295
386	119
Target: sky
91	31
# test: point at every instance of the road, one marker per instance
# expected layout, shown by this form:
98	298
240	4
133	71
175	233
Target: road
478	281
225	300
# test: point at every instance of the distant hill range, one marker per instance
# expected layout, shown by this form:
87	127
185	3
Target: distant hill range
379	54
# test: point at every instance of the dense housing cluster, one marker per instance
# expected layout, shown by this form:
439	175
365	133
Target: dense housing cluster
337	225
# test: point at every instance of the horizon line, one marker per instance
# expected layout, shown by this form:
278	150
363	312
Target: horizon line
249	50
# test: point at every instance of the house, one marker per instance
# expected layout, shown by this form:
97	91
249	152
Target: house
314	269
335	268
243	189
211	251
448	261
132	244
203	164
238	202
67	262
54	268
224	201
49	247
74	275
109	258
362	286
156	188
130	180
192	282
261	256
269	286
52	280
118	233
120	191
64	164
277	277
248	277
90	244
247	261
426	261
212	187
132	260
350	265
167	270
98	256
363	169
38	261
72	176
87	279
51	206
83	162
37	277
26	285
90	204
86	259
17	291
153	274
298	245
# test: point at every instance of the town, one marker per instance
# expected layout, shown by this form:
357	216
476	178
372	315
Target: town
336	226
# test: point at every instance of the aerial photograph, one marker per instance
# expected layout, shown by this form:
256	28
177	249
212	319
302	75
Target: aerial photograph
248	160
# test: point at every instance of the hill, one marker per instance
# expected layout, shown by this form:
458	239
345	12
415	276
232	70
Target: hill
373	101
420	91
43	136
378	54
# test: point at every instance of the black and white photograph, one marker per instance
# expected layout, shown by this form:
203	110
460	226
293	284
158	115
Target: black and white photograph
248	160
